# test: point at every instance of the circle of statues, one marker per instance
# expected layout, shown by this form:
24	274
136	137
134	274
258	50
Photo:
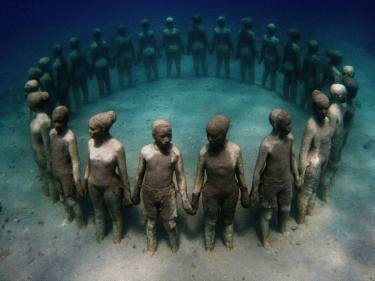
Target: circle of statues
220	177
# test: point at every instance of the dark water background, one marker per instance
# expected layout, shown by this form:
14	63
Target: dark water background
29	29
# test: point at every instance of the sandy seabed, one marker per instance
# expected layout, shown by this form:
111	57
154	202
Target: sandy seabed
338	243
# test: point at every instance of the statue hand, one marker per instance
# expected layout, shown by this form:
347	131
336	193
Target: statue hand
187	207
82	189
136	199
195	202
245	199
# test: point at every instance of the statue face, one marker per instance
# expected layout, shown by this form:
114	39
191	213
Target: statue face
59	124
162	136
216	138
320	112
96	132
285	125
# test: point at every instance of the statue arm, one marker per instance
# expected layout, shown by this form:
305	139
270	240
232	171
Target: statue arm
122	171
294	164
259	167
139	179
182	185
76	163
45	129
240	174
198	183
87	172
305	146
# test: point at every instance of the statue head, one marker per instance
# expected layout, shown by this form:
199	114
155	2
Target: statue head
145	23
37	100
121	29
294	34
31	86
320	104
313	46
335	57
74	43
57	50
44	64
162	132
217	129
60	117
169	22
196	18
348	70
103	121
271	29
351	87
280	120
35	73
221	21
247	22
97	34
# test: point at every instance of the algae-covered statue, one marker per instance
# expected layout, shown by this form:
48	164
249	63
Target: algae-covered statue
335	115
158	162
100	61
198	45
310	73
79	71
291	65
40	125
223	45
173	45
148	50
331	72
348	70
66	166
106	175
221	161
271	55
313	156
351	92
34	73
46	84
124	56
61	77
273	172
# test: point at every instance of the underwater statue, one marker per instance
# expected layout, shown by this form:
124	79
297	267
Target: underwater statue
124	56
348	70
310	73
46	84
148	50
158	161
291	65
223	45
271	55
100	62
351	92
40	125
246	50
173	45
335	115
79	71
221	161
66	166
61	77
34	73
31	86
273	172
106	176
198	45
313	156
331	73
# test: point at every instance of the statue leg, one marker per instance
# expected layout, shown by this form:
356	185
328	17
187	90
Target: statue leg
67	210
228	211
283	218
243	69
99	73
112	198
100	213
264	222
54	193
203	58
211	213
129	72
107	80
155	67
273	79
121	73
293	88
265	74
251	71
147	63
178	65
152	241
169	64
85	90
173	234
72	202
219	60
76	95
226	65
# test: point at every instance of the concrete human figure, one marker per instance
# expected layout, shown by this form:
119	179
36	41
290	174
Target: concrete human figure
40	126
31	86
291	65
335	115
221	162
351	86
174	47
79	71
271	55
66	166
313	157
61	77
100	62
148	50
158	162
46	84
348	70
310	73
331	72
198	45
223	44
273	172
124	57
106	176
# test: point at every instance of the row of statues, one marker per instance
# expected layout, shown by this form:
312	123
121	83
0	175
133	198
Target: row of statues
56	77
220	175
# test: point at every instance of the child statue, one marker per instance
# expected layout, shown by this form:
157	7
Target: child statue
221	161
271	55
106	175
79	71
272	175
313	157
40	125
198	45
124	56
331	73
148	50
66	166
158	161
46	84
100	62
223	45
291	65
174	47
310	73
